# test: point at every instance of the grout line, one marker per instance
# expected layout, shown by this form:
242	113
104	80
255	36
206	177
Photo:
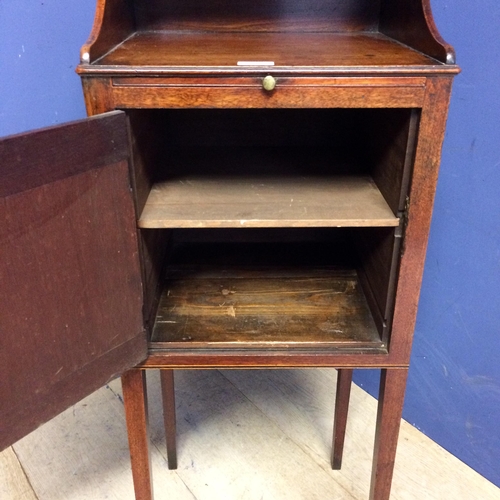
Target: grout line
24	473
165	459
309	452
187	487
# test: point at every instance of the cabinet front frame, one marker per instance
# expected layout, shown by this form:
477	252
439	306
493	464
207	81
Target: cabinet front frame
429	95
126	92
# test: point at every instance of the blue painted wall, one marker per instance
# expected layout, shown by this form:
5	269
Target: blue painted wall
39	49
453	391
454	386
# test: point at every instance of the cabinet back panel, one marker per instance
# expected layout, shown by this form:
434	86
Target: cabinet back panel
258	15
275	127
262	142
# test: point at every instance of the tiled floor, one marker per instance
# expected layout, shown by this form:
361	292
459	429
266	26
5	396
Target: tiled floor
242	435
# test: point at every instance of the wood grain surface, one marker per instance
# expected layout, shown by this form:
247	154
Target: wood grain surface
264	310
203	49
239	15
70	290
240	201
245	434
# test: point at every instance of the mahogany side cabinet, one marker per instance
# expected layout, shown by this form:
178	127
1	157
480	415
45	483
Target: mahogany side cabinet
253	188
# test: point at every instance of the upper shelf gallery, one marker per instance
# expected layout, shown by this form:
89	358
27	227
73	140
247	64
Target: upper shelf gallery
291	36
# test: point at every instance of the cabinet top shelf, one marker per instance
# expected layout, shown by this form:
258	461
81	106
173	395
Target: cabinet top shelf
281	50
250	52
318	35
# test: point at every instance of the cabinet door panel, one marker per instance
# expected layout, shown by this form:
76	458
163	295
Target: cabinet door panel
71	293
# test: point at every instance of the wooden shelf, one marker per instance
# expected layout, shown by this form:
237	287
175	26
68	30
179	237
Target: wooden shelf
348	201
201	49
234	308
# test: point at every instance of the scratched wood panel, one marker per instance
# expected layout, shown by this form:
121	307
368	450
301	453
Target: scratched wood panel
262	309
83	453
300	403
14	484
185	49
261	201
229	449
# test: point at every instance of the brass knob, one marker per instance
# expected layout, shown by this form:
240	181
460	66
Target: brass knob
269	83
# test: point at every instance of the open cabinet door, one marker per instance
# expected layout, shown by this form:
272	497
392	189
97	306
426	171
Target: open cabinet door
70	280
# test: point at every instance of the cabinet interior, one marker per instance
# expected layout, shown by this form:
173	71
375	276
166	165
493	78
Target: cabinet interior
274	228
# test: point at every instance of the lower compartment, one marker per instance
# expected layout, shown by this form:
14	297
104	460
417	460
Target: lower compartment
252	289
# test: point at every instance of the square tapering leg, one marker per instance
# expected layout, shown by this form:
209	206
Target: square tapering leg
344	380
168	394
136	413
390	409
